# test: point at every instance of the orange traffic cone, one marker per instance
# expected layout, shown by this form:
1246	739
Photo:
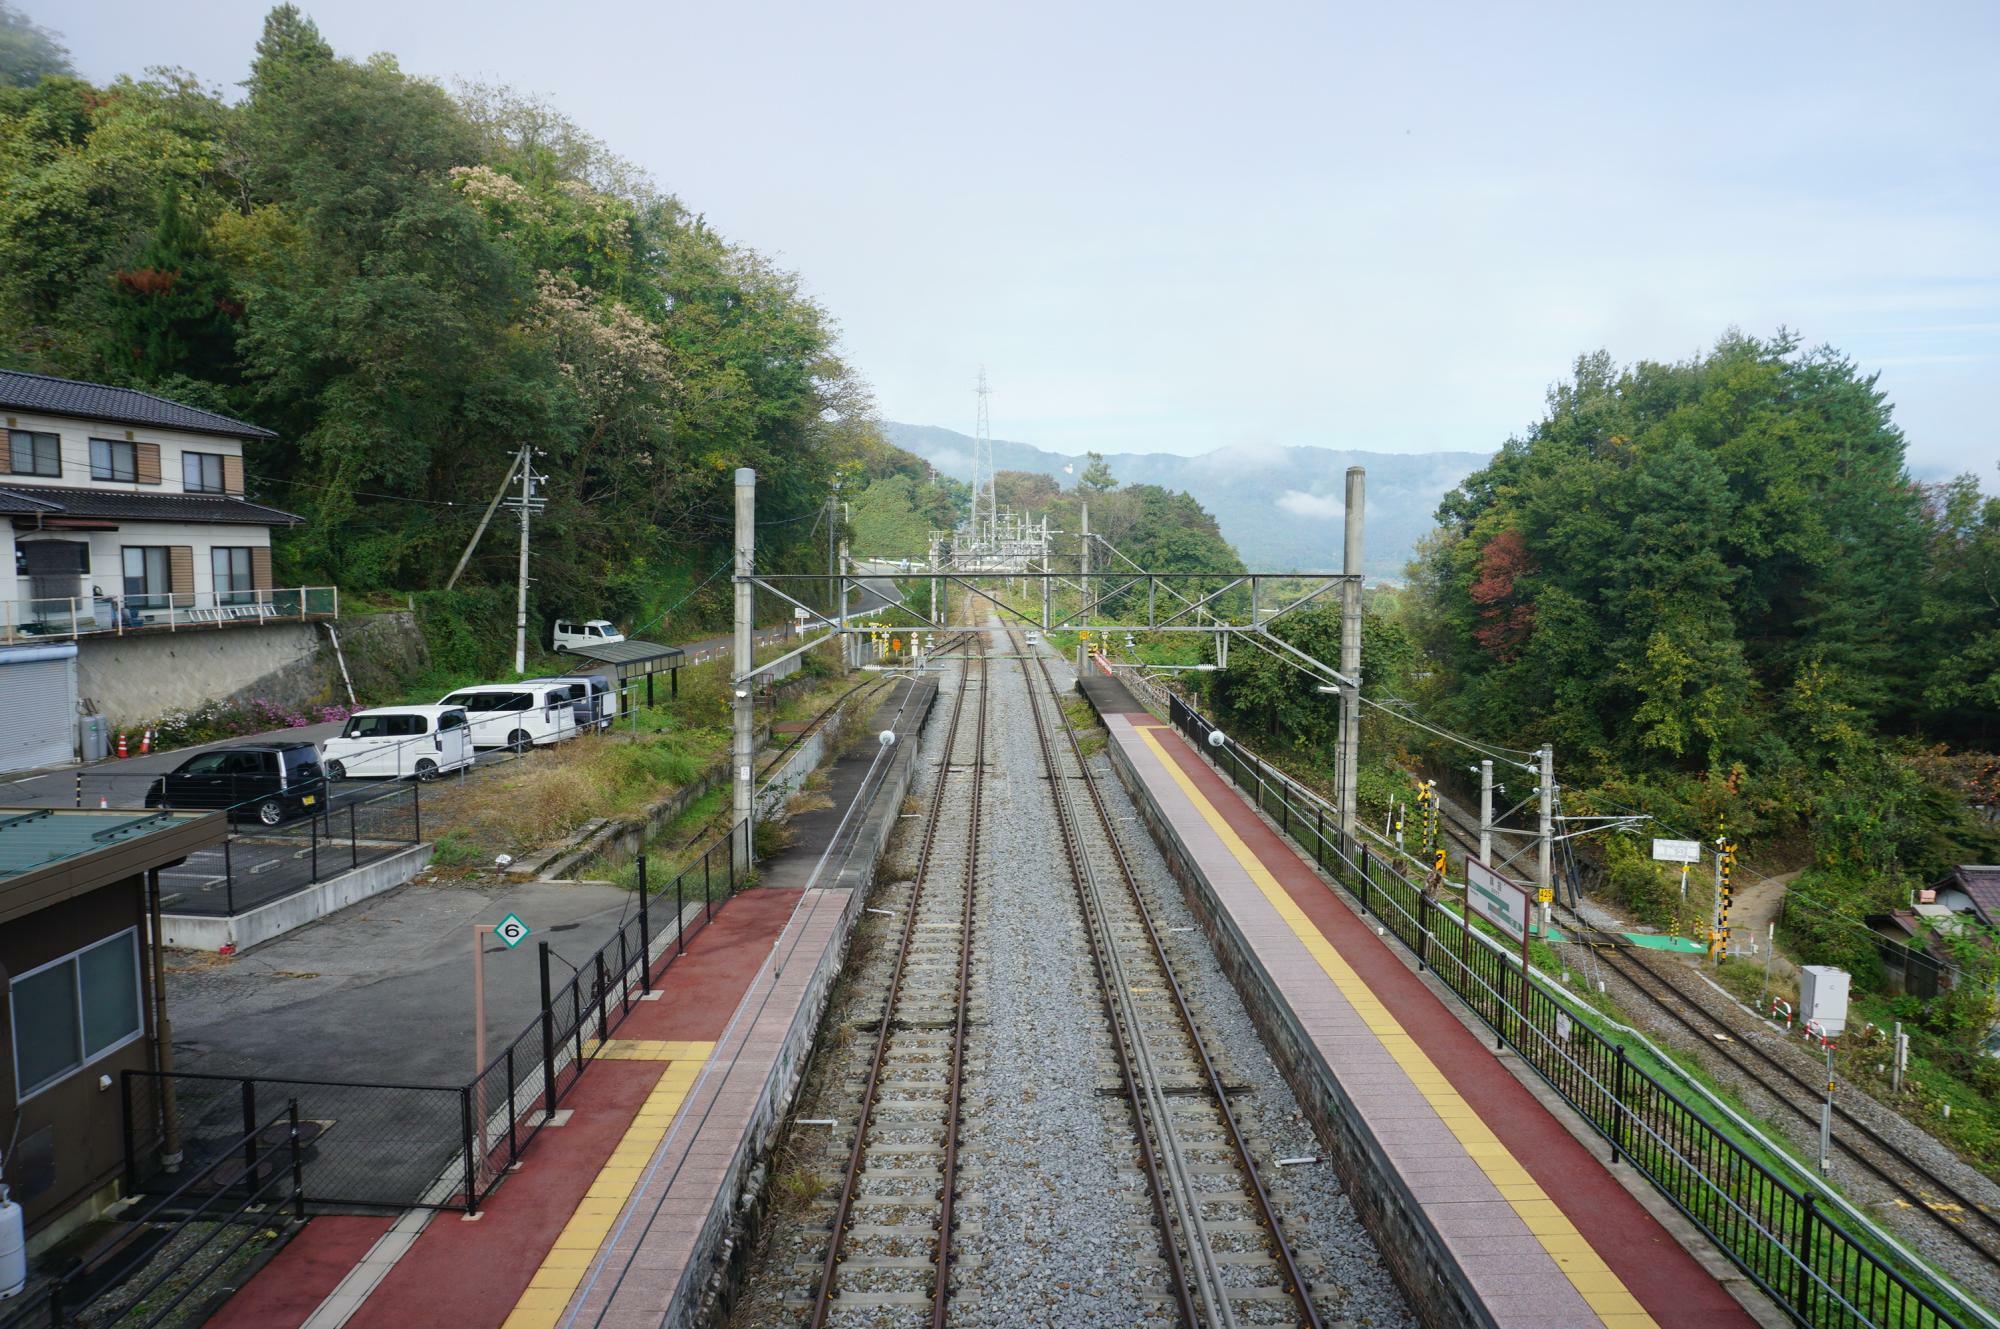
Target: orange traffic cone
122	753
145	741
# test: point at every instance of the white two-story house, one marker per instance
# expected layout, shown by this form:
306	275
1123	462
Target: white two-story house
123	517
126	510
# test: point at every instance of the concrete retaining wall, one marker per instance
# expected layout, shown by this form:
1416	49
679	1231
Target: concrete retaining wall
1412	1248
131	680
200	932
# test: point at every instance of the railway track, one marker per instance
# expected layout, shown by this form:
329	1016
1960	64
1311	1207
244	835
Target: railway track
1919	1187
1972	1225
1228	1258
890	1252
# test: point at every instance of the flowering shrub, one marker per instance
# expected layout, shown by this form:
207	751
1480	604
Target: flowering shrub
213	720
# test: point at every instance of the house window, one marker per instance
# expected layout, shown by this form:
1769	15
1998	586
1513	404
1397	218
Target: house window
201	472
52	558
72	1011
234	582
35	454
111	459
148	578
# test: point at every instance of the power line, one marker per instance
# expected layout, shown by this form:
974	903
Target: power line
721	568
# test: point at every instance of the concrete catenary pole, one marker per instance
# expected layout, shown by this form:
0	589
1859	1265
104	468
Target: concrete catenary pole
521	597
1350	651
1486	812
740	754
1546	844
1083	550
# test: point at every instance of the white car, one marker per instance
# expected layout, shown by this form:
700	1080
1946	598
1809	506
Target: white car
594	697
517	716
572	636
391	742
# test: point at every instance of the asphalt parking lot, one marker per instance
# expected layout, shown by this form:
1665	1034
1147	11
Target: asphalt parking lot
383	991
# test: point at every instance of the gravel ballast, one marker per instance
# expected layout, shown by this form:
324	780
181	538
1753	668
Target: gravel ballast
1057	1224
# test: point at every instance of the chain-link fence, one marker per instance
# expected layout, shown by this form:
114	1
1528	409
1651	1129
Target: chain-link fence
1803	1257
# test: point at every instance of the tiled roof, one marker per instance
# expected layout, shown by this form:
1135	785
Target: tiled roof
124	505
1981	881
95	401
15	502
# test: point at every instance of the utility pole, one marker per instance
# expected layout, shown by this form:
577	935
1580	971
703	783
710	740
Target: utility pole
484	521
1486	811
1545	848
1350	652
528	504
746	549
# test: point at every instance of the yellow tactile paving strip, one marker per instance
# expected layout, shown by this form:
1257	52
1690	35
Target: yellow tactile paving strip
569	1259
1602	1290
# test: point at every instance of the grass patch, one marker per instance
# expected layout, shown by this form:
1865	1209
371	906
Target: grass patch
451	850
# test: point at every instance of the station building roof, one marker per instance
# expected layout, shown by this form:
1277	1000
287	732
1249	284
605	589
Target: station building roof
52	854
634	659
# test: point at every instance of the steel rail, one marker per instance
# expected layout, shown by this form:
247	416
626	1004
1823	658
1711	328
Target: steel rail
826	1293
1149	1160
955	1084
1675	1006
1295	1283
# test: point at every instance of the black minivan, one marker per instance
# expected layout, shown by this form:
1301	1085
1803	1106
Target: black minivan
267	783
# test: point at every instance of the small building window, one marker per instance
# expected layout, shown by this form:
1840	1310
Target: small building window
35	454
235	583
148	576
111	459
70	1012
201	472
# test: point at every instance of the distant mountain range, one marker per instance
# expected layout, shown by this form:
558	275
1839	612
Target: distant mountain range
1280	506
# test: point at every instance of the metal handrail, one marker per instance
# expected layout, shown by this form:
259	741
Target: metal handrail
1813	1287
46	618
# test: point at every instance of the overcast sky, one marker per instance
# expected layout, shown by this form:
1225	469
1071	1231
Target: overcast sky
1167	227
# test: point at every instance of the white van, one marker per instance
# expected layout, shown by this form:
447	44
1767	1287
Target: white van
517	716
570	635
391	742
596	697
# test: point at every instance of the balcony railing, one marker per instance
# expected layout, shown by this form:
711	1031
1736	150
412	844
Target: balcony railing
101	615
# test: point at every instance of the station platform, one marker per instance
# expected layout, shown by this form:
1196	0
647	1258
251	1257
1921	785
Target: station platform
1490	1209
615	1217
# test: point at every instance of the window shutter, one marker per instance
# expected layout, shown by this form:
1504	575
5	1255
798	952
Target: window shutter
180	573
146	462
232	475
7	454
260	567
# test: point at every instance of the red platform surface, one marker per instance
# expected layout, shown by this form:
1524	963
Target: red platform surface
469	1275
1668	1281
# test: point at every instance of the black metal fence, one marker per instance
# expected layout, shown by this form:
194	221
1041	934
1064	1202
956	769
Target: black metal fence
388	1145
192	1241
1789	1241
258	865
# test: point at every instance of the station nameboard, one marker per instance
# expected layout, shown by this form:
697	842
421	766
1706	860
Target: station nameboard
1677	851
1495	899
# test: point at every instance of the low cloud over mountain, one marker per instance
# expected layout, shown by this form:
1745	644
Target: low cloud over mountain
1281	507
